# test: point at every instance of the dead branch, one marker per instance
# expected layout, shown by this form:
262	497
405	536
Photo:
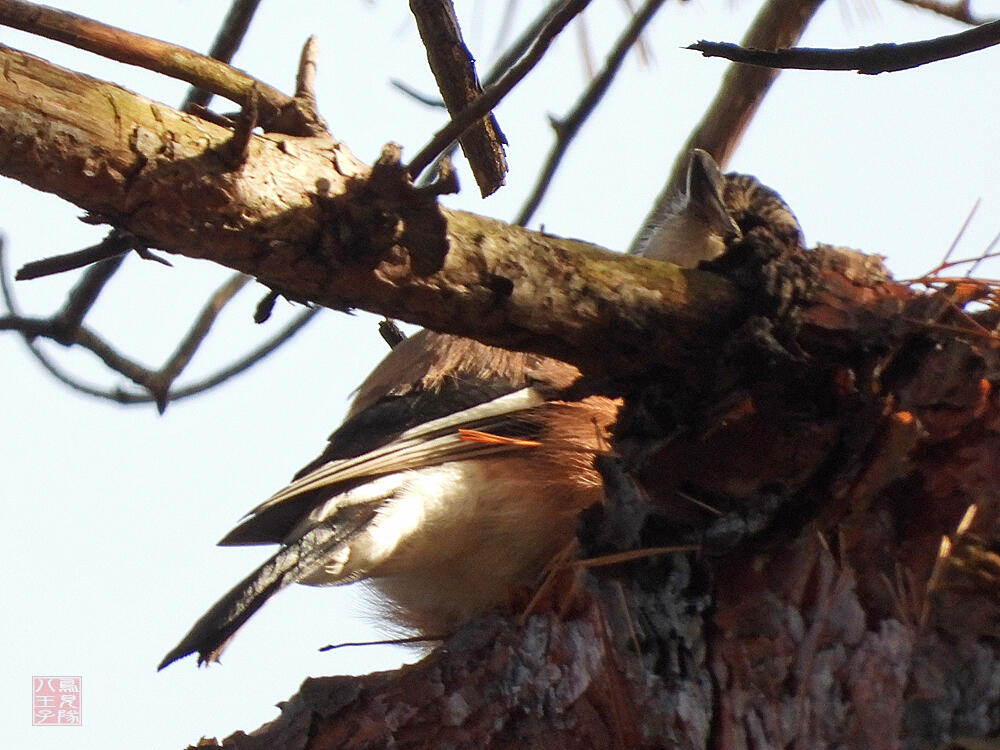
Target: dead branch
66	326
455	72
503	63
868	60
85	294
494	93
160	382
114	245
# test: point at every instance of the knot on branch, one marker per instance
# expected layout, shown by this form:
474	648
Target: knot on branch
296	117
384	218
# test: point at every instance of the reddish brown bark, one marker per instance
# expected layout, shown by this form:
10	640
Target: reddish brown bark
840	434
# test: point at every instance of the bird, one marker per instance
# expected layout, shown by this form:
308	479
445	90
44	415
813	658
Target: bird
712	214
460	469
456	475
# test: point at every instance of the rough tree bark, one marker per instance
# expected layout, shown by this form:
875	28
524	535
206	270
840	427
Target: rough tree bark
839	426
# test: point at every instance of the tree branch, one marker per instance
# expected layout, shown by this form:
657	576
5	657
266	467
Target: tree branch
113	246
227	41
869	60
959	11
567	128
279	112
455	72
494	93
309	220
66	328
502	64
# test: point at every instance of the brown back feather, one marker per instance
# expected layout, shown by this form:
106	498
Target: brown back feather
426	360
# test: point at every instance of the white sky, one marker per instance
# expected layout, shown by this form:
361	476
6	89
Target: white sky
111	514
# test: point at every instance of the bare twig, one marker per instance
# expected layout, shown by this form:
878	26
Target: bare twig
934	275
409	640
305	82
959	11
32	328
216	118
779	23
870	60
146	254
989	252
522	44
641	47
506	23
279	112
250	359
113	245
237	148
586	48
567	128
85	294
227	41
502	64
56	330
160	382
958	237
66	327
425	99
455	72
492	95
635	554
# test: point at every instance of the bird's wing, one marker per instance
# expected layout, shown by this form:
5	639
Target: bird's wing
344	497
430	443
341	481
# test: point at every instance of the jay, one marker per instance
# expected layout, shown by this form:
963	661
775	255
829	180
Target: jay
459	471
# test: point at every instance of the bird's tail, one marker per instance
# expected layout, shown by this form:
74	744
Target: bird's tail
318	548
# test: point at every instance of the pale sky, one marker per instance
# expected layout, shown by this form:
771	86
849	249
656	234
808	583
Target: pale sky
112	513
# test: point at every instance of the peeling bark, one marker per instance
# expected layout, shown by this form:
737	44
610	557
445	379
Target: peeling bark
311	221
841	434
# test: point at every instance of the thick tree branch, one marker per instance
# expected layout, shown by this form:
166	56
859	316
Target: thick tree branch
311	221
